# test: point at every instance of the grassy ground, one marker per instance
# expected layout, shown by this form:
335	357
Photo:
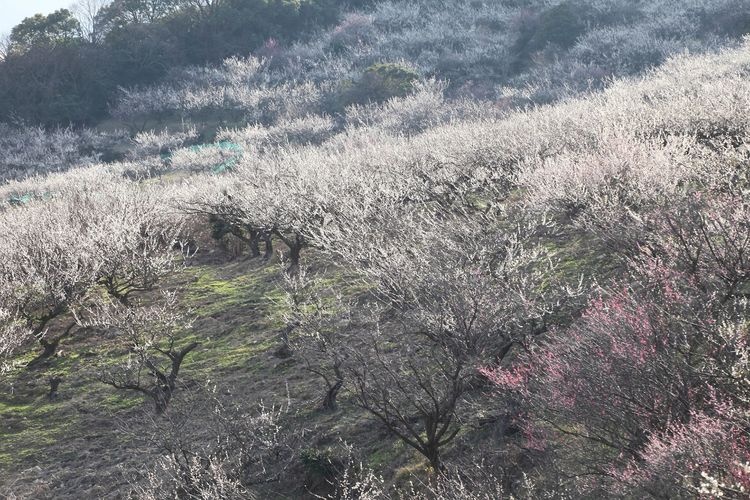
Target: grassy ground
77	445
81	443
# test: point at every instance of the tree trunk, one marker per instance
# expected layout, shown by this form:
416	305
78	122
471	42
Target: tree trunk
54	384
295	244
285	350
162	395
114	292
433	455
254	242
295	251
50	347
268	253
254	247
329	402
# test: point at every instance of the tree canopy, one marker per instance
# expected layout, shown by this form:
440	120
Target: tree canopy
57	28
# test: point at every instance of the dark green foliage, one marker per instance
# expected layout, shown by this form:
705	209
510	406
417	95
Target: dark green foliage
53	76
141	53
380	82
53	85
121	13
236	27
57	28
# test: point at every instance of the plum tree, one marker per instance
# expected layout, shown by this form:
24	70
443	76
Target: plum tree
151	335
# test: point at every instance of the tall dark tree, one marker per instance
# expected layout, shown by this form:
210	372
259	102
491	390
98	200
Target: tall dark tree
53	85
58	28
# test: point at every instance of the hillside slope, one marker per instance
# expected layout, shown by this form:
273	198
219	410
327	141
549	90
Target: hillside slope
424	295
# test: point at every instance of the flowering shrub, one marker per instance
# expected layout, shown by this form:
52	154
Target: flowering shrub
152	143
558	48
677	460
424	109
29	151
623	380
309	130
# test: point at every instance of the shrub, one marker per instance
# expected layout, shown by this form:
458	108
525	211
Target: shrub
407	115
27	151
312	129
684	453
270	49
150	143
380	82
